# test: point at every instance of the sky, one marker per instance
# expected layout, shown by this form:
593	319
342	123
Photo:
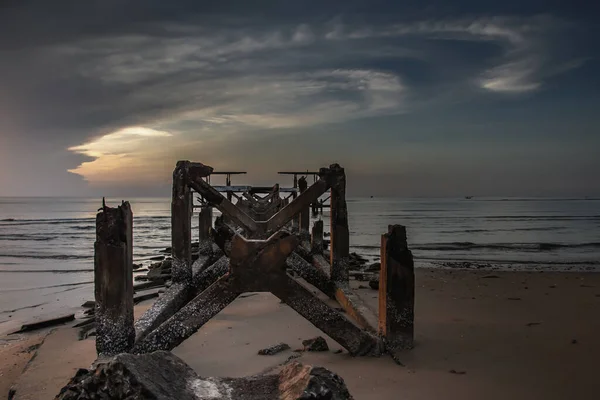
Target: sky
413	98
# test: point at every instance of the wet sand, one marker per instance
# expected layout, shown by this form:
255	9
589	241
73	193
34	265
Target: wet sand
504	334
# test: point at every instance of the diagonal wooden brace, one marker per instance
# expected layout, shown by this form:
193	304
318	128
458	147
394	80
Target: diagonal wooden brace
301	202
225	206
357	341
190	318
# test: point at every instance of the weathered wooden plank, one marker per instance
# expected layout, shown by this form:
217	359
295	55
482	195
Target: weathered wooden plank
113	279
32	326
396	289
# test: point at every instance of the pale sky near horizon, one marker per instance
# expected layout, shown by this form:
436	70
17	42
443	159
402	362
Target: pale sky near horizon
412	98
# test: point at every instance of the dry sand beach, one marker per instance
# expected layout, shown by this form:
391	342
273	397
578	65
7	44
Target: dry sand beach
479	335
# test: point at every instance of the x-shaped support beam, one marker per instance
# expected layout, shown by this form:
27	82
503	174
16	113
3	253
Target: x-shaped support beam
259	266
277	221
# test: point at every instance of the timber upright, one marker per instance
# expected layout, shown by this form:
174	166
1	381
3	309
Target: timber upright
113	280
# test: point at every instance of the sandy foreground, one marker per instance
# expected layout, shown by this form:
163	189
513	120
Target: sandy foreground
504	335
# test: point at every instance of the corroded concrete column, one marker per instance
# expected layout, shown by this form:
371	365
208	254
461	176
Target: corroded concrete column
396	289
340	233
181	224
113	280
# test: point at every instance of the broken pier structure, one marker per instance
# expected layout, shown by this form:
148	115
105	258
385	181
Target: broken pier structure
263	243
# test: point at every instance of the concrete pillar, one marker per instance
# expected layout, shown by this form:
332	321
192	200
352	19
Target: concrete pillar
396	289
340	233
181	224
113	280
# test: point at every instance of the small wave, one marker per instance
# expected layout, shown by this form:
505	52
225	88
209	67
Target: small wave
48	287
27	237
54	271
502	246
48	256
508	261
7	220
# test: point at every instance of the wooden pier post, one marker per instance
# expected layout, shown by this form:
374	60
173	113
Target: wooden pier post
304	214
317	238
205	223
113	280
181	224
396	290
340	233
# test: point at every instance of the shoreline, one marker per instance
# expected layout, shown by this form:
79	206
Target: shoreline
513	334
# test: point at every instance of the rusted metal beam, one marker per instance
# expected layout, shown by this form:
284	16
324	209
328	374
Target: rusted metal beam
181	223
113	280
396	290
287	213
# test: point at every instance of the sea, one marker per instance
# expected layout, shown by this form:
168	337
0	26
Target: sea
46	244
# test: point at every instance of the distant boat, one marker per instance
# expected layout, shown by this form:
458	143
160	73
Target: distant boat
468	197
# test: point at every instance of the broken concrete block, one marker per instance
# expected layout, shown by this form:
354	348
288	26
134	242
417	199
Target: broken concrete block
162	375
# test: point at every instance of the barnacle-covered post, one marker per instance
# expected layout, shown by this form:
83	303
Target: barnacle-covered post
181	224
340	234
396	290
113	280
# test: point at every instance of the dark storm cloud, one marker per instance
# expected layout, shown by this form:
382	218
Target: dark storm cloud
75	71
